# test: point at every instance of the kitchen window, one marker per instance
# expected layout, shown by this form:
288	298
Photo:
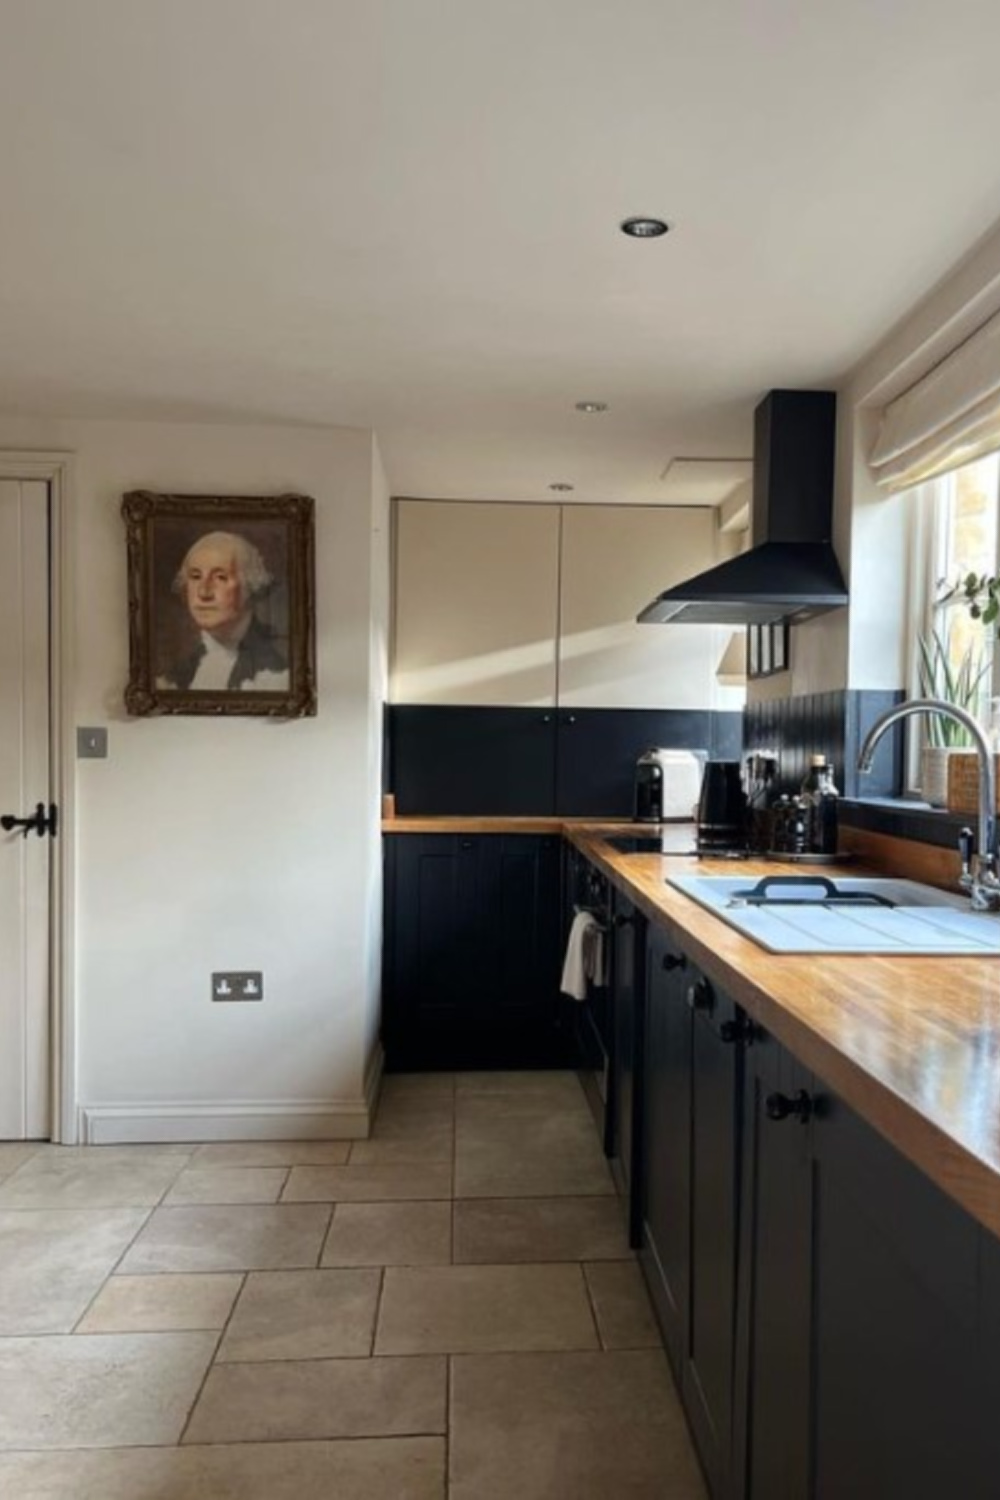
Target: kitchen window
957	527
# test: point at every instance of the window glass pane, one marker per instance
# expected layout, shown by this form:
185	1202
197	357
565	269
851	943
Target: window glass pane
969	545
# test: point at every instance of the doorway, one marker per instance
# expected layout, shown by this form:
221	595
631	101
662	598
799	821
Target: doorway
31	861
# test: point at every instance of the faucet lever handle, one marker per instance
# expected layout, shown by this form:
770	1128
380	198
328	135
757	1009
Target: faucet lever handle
965	853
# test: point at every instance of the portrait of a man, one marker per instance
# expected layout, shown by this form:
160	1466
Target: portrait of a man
220	604
221	580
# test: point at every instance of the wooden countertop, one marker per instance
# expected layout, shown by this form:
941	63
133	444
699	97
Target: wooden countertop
912	1044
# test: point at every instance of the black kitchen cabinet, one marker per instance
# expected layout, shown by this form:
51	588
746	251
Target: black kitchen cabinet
690	1202
623	1129
473	948
771	1431
506	761
860	1350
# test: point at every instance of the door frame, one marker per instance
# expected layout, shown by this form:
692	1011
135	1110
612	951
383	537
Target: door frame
55	467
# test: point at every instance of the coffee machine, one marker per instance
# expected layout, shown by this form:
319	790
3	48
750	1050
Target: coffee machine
649	787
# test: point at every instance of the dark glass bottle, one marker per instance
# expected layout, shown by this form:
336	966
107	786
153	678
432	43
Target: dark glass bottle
820	796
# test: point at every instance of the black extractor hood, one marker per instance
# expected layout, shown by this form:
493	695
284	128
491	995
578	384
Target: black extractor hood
791	572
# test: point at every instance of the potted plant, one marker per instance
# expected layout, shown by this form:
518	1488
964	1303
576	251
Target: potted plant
962	685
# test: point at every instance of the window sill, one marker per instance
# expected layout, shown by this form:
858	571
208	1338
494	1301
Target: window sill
905	818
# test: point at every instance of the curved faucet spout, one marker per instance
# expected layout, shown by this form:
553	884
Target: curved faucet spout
986	877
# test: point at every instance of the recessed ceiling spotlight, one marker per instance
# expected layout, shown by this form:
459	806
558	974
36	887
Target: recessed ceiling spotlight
562	488
591	406
641	228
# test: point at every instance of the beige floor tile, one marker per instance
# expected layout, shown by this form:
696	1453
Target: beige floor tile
177	1151
569	1427
363	1469
258	1237
52	1262
417	1088
368	1184
559	1087
415	1123
389	1234
270	1153
105	1391
303	1315
162	1304
228	1185
621	1304
458	1309
48	1181
14	1154
320	1398
494	1230
436	1144
508	1146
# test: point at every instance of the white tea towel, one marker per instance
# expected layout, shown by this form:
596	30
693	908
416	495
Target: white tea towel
574	974
593	955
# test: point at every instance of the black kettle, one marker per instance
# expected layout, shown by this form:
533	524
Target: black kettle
722	807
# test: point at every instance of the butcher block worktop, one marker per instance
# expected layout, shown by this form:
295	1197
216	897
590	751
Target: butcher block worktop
912	1044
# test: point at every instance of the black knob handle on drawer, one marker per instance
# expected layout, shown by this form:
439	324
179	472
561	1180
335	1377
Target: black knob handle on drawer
740	1030
546	718
674	961
699	996
465	843
781	1106
621	921
569	719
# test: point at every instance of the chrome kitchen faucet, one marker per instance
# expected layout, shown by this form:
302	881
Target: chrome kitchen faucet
979	869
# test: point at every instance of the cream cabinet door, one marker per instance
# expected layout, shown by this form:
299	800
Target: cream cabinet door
615	559
475	604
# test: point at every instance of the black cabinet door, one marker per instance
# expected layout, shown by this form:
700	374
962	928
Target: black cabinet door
716	1084
895	1336
771	1438
666	1232
472	952
628	997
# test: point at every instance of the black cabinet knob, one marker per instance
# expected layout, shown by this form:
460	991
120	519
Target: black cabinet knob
623	921
782	1107
674	961
699	996
570	719
465	843
740	1030
546	718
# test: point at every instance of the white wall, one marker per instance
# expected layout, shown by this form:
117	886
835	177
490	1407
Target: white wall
204	844
865	645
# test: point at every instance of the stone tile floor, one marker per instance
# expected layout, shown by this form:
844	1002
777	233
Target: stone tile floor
448	1309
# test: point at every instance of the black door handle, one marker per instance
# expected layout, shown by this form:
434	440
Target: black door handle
41	822
674	961
780	1106
699	996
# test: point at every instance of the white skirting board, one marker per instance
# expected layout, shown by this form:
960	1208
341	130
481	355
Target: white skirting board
301	1120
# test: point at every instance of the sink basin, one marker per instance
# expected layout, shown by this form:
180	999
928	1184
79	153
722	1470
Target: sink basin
802	914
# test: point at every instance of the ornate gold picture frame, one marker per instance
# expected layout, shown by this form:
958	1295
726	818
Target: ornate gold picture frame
221	604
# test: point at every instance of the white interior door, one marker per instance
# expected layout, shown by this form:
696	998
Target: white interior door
24	782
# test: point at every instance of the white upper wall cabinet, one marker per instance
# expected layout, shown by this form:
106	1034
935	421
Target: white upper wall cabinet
476	604
615	559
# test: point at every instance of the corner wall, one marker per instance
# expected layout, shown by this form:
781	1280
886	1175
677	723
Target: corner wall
203	844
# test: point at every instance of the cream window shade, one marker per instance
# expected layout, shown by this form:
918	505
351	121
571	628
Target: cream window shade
947	419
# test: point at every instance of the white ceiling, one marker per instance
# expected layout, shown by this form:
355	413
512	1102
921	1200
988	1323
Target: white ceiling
403	214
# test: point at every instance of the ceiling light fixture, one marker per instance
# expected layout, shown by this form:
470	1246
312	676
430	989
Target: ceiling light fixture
591	406
641	228
561	487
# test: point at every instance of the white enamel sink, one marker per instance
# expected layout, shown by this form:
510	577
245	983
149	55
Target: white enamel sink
918	919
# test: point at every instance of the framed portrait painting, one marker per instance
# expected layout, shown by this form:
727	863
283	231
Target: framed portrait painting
221	606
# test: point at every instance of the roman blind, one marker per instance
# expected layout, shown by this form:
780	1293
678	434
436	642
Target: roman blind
950	417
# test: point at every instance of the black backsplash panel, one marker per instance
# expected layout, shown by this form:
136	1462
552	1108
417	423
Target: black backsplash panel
833	724
536	762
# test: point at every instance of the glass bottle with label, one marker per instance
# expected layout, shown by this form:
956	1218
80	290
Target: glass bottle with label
821	795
